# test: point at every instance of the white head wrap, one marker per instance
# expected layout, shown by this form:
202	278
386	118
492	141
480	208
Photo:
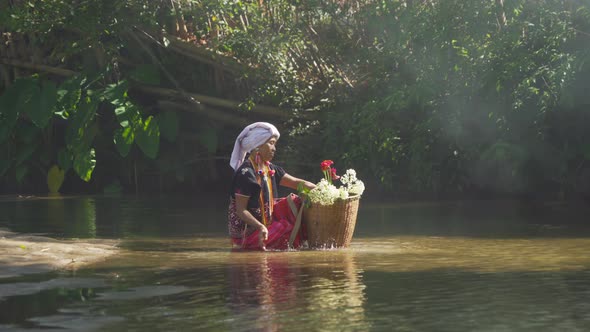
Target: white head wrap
251	137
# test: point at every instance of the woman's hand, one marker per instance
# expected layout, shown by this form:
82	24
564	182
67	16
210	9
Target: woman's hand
292	182
248	218
262	236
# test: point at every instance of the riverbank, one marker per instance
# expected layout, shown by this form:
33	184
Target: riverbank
24	254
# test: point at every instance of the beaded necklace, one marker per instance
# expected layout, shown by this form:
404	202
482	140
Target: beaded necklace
263	177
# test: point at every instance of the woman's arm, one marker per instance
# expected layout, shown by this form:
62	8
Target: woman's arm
292	182
248	218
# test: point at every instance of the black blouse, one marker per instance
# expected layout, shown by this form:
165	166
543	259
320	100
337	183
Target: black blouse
244	183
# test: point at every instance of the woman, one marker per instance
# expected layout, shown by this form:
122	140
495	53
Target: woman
257	219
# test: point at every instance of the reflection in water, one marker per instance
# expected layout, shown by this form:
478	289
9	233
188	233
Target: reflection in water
444	267
454	300
269	291
68	217
81	220
41	302
338	293
258	288
380	284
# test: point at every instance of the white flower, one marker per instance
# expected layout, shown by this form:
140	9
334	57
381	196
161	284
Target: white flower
348	177
352	184
357	188
343	193
326	193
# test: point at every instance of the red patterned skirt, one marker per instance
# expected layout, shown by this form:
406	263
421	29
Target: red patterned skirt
279	231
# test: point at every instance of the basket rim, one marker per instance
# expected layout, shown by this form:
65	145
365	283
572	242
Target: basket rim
339	200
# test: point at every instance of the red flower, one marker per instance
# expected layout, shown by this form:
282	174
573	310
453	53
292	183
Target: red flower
334	176
325	165
271	172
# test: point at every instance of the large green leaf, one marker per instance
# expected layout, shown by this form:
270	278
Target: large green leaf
40	111
68	96
147	137
123	139
81	127
168	125
128	115
116	93
148	74
84	164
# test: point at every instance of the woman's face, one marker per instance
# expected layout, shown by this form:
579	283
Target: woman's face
267	150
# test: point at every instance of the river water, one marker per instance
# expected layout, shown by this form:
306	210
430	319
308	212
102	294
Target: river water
454	266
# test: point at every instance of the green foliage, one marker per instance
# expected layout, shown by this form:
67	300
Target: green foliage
456	99
77	102
133	128
84	163
128	115
116	93
68	96
425	97
124	138
148	137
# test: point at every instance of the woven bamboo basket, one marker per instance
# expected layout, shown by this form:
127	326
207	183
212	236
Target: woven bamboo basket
331	226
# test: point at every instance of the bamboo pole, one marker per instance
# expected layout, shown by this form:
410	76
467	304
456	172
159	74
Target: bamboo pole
34	66
217	116
208	100
214	101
